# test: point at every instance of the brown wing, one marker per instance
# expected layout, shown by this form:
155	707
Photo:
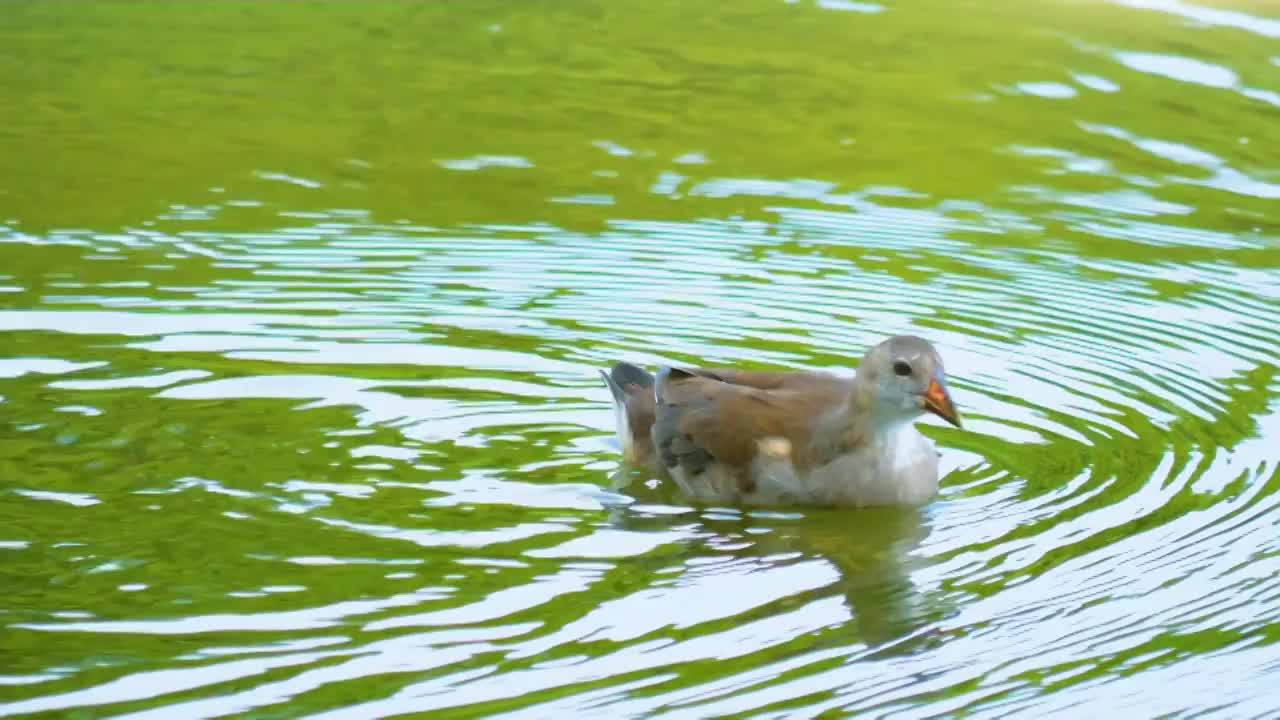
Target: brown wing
718	416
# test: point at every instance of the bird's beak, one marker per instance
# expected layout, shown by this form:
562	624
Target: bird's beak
938	401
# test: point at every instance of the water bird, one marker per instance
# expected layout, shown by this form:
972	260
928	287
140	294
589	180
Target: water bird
784	438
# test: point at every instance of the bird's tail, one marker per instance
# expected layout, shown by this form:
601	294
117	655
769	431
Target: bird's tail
633	409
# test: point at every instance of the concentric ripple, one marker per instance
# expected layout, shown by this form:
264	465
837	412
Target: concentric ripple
272	451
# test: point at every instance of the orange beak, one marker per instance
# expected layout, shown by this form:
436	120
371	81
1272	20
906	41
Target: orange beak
938	401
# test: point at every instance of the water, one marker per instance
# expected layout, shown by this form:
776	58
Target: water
302	305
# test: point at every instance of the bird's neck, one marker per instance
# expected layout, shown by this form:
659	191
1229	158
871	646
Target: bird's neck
858	425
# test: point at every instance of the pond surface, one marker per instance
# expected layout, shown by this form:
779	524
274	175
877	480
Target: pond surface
302	303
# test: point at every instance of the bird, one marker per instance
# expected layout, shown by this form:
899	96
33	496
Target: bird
763	438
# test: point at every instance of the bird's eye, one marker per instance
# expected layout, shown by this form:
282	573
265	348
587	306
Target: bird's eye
902	367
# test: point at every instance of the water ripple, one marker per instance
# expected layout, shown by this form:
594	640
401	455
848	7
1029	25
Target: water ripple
293	447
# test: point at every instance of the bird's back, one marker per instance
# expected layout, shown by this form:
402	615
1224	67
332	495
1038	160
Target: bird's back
724	435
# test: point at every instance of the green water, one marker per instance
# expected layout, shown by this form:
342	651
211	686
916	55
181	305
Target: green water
302	303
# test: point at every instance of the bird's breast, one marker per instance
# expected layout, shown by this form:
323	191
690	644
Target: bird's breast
897	468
